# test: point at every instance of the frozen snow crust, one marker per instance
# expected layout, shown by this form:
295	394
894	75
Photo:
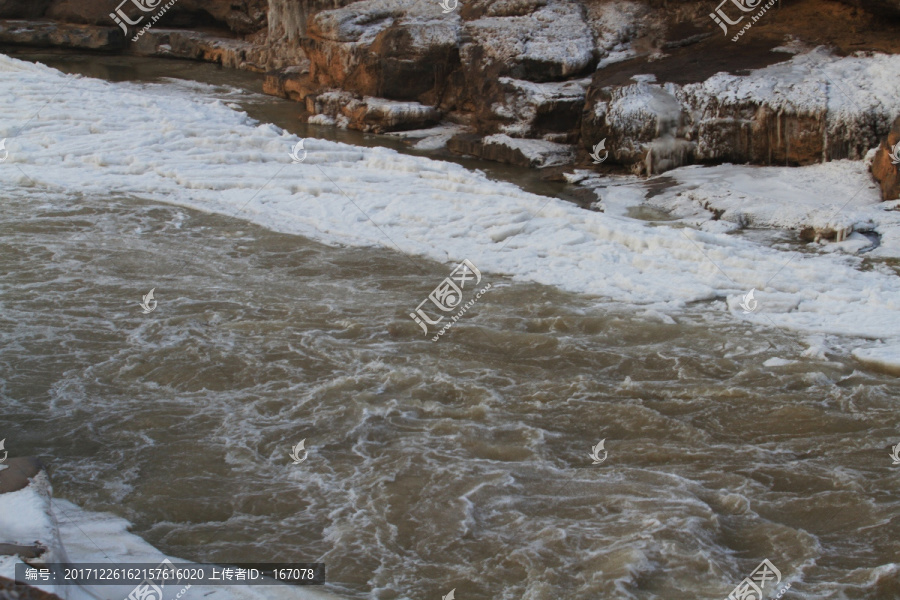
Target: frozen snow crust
78	536
813	107
185	147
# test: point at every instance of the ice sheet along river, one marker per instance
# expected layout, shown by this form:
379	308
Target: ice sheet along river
459	464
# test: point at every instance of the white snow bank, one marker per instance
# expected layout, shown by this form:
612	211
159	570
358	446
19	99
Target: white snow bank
886	357
31	514
555	34
839	195
23	515
853	99
102	138
432	138
850	90
523	102
540	153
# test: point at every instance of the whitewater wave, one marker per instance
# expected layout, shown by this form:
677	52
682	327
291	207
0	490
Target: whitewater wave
196	151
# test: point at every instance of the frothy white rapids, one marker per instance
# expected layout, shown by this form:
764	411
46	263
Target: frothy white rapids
198	152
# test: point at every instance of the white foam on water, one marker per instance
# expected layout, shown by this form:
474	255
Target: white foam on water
192	151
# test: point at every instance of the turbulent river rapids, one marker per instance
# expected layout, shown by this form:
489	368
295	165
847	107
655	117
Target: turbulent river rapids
459	464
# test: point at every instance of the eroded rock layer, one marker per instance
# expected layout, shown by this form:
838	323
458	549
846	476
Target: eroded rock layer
539	82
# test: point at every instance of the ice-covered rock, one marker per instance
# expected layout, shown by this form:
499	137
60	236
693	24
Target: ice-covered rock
28	528
515	151
645	126
181	43
539	110
515	67
812	108
431	138
549	44
369	113
396	50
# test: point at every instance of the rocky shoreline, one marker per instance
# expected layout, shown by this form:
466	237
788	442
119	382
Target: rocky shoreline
17	474
534	83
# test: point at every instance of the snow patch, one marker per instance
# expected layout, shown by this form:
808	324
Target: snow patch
885	357
185	149
540	153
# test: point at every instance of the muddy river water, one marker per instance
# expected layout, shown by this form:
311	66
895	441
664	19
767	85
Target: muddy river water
460	464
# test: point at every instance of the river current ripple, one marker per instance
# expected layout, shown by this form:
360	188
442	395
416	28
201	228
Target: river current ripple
462	463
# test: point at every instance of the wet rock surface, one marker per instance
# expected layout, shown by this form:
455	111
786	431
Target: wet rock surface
17	473
65	35
194	45
886	164
10	590
236	16
513	151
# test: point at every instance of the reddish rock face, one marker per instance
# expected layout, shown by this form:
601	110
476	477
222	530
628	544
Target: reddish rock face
239	16
377	48
10	590
91	12
885	172
65	35
889	8
23	9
